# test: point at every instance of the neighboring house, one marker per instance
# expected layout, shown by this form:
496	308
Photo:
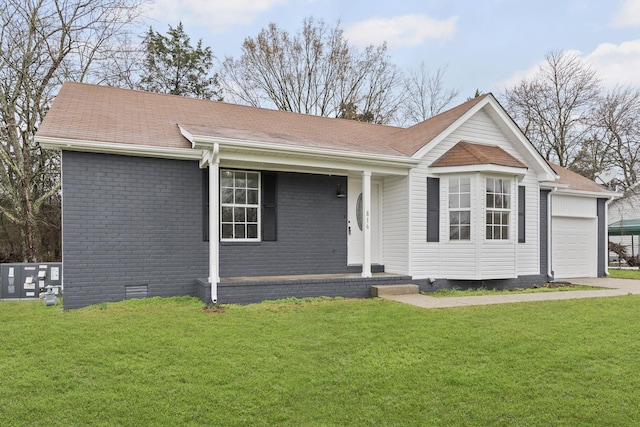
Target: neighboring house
624	221
162	192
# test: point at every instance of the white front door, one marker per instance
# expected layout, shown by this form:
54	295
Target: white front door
357	221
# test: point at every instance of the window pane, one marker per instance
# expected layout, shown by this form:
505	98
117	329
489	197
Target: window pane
252	180
465	185
252	215
227	231
490	203
239	231
241	197
489	234
454	185
465	200
490	185
505	218
239	215
226	179
505	201
241	180
252	231
454	201
226	195
227	214
454	233
465	232
465	217
252	197
359	210
454	218
505	232
498	200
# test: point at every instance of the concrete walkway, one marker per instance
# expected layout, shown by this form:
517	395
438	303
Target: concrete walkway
614	287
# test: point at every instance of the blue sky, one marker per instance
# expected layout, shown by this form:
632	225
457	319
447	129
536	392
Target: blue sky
486	45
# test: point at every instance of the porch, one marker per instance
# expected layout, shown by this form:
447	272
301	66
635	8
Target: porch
247	290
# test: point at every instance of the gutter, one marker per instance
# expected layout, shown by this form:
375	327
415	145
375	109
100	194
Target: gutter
204	142
118	148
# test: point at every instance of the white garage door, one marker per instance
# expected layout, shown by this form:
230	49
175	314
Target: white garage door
574	244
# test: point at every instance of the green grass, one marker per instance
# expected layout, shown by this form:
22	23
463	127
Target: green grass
321	363
445	293
624	274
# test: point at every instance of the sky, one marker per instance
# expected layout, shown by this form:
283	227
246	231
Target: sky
488	45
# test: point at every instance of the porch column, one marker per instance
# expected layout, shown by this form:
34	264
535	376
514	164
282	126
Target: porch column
366	217
214	222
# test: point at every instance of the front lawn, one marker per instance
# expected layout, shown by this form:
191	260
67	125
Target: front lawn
323	362
624	274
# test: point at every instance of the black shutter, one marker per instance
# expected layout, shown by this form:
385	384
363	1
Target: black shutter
269	206
433	209
521	214
205	204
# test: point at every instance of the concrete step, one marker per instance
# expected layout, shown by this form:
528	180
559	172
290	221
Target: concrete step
382	290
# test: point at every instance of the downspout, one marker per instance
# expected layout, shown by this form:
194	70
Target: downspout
214	220
550	274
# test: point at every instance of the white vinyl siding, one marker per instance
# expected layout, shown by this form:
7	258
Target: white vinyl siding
477	258
528	257
395	222
574	206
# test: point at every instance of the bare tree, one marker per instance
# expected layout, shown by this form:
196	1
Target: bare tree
425	94
42	43
553	107
315	71
617	128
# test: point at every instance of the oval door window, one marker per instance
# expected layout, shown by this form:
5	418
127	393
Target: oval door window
359	211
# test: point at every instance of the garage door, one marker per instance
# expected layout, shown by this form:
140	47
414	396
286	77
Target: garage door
575	247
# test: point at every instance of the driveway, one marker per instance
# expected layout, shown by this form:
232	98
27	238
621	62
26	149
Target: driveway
614	287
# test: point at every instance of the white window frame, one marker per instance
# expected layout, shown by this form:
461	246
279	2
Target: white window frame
498	192
237	206
459	202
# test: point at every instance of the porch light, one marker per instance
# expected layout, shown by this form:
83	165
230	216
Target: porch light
340	192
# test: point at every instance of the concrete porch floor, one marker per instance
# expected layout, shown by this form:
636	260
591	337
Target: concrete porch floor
307	277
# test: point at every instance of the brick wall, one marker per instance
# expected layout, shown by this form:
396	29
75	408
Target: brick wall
312	237
130	222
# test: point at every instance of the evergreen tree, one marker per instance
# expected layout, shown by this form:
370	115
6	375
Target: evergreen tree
173	66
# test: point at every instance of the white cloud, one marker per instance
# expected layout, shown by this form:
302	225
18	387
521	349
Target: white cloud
617	64
628	15
216	15
407	30
614	65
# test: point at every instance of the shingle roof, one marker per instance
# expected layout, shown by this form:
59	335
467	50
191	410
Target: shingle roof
575	181
465	153
412	139
106	114
91	113
97	113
